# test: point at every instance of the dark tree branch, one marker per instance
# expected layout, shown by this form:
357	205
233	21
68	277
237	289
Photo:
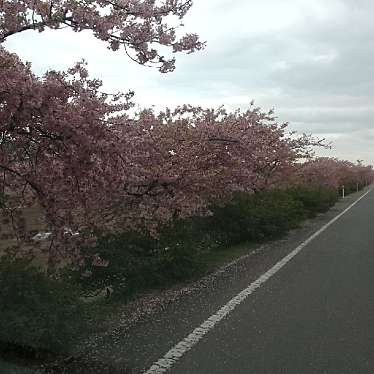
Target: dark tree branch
33	185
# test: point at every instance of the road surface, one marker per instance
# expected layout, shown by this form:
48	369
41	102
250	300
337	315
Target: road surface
315	315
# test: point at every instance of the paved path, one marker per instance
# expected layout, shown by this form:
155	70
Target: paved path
315	315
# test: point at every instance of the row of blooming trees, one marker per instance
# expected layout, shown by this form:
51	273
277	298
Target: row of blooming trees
335	173
74	151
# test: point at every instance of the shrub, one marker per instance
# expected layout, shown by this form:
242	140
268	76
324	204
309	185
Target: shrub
37	313
316	199
256	216
138	261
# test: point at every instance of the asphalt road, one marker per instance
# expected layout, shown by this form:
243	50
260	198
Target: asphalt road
315	315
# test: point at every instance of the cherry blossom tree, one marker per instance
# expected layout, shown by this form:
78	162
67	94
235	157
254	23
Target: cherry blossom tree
57	145
192	156
139	26
331	172
94	169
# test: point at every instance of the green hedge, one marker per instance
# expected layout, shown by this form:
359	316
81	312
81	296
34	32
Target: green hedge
37	313
253	217
138	262
314	200
268	214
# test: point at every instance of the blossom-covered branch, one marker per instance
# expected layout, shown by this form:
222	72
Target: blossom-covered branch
139	26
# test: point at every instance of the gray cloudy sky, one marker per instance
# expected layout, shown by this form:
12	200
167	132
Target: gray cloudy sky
311	60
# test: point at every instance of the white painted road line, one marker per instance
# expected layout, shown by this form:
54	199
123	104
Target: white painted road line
174	354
